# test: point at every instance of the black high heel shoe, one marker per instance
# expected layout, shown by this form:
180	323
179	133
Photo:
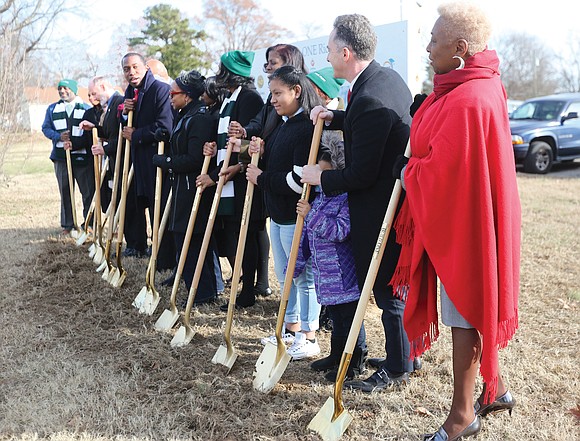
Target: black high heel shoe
441	434
505	402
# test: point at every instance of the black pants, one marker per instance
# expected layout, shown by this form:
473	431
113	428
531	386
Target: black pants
206	288
342	316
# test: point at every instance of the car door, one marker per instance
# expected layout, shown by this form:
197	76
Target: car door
569	133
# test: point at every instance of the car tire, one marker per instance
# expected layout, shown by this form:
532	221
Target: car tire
539	159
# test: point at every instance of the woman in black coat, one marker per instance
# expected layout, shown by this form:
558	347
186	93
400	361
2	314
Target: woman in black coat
192	128
242	104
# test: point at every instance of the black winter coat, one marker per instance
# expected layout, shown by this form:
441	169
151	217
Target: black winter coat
194	127
376	127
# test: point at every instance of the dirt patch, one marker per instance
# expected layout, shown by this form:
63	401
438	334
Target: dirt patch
77	361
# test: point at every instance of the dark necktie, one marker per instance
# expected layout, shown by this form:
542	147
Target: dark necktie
348	95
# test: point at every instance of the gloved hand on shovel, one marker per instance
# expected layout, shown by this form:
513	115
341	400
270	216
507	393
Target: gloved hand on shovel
162	161
162	135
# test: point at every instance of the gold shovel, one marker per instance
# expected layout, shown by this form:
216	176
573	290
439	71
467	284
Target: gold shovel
274	359
185	332
97	231
226	354
76	232
106	265
332	419
118	274
85	232
151	298
139	301
169	317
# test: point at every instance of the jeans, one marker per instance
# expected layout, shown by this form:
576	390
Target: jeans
302	306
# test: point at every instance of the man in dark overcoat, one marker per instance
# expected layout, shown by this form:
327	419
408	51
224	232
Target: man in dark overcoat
376	126
148	98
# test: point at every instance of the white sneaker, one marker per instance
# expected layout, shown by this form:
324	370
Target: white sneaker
303	348
287	338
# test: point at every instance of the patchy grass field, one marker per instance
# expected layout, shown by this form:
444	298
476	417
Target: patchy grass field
77	362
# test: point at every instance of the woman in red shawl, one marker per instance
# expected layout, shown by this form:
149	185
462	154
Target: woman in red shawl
461	219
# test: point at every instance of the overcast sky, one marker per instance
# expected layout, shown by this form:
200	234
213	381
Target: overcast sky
552	21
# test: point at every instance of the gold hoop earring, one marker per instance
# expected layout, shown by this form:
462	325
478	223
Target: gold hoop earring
461	62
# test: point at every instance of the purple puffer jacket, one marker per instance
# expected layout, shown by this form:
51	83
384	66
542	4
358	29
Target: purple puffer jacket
326	238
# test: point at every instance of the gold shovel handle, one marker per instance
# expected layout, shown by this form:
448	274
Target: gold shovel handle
314	146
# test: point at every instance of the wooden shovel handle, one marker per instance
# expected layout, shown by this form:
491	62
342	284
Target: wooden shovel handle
314	146
188	234
207	235
369	282
245	222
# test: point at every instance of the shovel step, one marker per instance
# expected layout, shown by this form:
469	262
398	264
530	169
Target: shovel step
323	425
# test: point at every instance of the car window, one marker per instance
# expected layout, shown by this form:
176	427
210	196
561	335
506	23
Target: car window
540	110
574	107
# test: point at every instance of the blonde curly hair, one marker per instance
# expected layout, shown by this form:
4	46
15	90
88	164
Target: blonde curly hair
465	20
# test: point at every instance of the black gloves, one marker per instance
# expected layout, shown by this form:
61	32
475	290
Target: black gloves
162	134
162	161
417	101
400	162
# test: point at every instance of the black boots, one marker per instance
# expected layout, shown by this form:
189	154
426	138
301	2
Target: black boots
333	360
331	363
356	366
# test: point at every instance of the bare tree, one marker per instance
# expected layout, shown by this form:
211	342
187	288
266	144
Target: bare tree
241	25
23	26
569	64
527	66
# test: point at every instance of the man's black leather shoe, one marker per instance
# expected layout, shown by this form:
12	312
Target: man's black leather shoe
380	380
376	363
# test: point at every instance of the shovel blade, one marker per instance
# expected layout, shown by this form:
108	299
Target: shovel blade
323	424
167	320
75	234
150	303
268	369
102	266
118	278
99	255
82	239
92	250
140	299
182	337
112	275
225	357
105	275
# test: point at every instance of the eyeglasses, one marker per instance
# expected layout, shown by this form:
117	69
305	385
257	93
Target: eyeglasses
175	92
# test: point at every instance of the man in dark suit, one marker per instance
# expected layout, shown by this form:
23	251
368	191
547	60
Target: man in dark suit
148	98
107	124
376	127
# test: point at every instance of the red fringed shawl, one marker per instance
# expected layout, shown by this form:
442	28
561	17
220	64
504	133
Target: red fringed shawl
461	219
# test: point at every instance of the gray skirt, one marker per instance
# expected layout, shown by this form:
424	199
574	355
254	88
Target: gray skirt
450	316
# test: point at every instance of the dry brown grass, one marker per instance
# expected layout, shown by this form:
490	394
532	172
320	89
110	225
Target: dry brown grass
77	362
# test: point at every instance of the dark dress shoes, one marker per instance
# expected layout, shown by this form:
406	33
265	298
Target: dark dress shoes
505	402
240	304
132	252
262	292
441	434
376	363
381	379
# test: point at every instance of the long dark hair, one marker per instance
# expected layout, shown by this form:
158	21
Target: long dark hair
291	76
226	78
215	92
291	56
